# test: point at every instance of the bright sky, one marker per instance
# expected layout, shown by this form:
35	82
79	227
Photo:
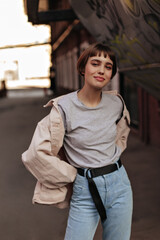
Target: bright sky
32	62
14	27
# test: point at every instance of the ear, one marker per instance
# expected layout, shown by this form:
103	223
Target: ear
82	73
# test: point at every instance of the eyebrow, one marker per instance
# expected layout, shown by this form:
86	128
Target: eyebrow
107	63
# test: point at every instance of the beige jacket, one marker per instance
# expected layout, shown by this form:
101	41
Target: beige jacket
45	158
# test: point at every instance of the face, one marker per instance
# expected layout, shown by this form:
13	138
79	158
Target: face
98	71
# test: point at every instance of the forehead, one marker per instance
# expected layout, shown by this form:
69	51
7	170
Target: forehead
101	57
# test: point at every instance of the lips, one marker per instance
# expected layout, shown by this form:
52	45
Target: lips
100	79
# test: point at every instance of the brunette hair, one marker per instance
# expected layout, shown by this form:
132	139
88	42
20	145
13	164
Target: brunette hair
94	50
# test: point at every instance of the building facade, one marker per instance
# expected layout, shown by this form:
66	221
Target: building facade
137	79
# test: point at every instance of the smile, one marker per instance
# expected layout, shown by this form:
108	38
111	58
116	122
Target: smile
100	79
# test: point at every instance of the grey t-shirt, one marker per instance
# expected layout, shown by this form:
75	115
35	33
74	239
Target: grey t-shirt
90	133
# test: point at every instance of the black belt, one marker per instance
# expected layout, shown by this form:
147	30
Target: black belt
95	172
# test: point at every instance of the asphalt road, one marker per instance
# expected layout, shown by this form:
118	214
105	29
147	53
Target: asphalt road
19	219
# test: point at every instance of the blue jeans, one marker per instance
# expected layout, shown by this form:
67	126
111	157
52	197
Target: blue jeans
116	194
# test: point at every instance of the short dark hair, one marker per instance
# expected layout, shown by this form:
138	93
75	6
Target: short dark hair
94	50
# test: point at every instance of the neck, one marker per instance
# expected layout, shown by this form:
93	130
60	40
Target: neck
90	98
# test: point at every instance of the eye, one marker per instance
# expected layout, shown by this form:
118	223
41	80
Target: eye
94	64
109	67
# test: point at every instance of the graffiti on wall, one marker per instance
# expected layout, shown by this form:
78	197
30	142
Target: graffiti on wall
130	27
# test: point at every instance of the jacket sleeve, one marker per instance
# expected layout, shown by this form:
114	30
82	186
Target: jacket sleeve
39	159
123	129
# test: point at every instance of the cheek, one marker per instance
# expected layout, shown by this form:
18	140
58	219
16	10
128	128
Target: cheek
89	70
109	74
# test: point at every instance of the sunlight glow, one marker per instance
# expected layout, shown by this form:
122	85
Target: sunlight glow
18	66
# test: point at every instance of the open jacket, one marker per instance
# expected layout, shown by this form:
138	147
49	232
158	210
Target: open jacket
45	157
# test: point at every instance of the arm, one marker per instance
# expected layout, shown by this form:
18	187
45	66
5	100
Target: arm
41	158
123	130
123	127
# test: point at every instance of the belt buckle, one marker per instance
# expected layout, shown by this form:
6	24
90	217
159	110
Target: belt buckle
87	175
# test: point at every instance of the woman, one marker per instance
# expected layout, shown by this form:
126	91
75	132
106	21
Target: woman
92	127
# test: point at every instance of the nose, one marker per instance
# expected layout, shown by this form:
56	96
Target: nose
101	70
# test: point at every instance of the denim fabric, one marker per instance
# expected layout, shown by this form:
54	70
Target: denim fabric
116	194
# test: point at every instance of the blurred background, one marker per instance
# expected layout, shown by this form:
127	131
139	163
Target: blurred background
40	42
24	49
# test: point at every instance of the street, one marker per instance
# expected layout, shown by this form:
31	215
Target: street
21	220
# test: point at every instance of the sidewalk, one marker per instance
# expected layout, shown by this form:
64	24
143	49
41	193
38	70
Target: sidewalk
143	165
22	220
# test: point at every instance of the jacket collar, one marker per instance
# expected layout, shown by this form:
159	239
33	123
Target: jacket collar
52	102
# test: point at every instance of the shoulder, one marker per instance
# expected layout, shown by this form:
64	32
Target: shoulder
66	102
113	96
122	102
66	99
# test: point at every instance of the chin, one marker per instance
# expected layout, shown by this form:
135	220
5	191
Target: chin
99	88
